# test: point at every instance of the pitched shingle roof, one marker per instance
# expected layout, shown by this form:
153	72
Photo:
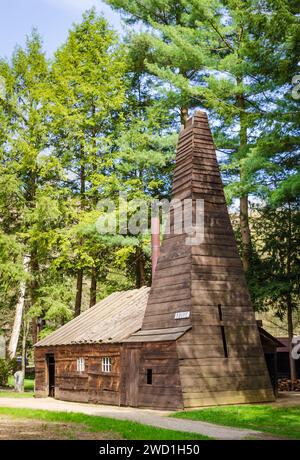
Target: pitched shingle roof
112	320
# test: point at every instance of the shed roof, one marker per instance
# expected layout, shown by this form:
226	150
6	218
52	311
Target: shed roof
276	342
113	319
158	335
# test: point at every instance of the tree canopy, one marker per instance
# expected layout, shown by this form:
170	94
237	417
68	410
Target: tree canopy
102	116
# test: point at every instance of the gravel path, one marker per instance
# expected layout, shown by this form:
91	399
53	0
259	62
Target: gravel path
149	417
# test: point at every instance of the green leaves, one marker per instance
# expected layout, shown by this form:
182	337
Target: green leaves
57	133
54	303
103	117
276	236
288	190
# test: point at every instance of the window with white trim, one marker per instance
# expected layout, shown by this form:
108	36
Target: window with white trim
80	365
106	364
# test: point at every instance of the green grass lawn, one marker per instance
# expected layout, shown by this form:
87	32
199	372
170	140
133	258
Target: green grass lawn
125	429
279	421
28	387
14	394
10	393
28	383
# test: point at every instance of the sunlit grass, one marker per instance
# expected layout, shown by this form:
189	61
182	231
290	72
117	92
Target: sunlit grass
28	383
280	421
125	429
14	394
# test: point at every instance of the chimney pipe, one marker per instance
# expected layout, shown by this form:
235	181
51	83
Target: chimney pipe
155	242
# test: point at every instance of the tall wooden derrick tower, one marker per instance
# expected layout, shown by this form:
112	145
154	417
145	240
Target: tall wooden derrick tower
200	289
193	340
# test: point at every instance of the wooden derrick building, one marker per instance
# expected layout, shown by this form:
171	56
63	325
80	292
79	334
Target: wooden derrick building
192	339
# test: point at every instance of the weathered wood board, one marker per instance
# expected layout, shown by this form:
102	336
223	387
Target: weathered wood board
221	358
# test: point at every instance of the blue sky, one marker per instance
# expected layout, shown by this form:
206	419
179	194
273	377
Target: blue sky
53	19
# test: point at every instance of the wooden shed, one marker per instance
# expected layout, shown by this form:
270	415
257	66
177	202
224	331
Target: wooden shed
81	361
270	346
192	339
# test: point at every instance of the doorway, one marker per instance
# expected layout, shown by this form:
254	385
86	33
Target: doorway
51	375
131	362
271	361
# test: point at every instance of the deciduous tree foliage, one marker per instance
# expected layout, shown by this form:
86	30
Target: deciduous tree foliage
102	117
31	209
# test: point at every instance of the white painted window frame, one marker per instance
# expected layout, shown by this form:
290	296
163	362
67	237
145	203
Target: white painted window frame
106	364
80	365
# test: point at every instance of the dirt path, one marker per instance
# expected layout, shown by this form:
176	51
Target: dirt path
12	428
148	417
287	399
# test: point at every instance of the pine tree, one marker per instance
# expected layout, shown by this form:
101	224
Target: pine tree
229	74
145	155
275	280
274	160
151	51
88	77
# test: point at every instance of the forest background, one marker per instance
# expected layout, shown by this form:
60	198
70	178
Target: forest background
103	115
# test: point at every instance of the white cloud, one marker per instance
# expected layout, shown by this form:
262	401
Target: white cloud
73	4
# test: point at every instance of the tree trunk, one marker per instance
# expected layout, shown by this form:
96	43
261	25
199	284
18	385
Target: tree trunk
34	263
95	197
244	207
293	373
13	343
245	232
82	182
184	113
33	286
23	359
140	268
93	288
78	299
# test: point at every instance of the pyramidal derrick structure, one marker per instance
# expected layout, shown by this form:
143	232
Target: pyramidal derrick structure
202	287
192	339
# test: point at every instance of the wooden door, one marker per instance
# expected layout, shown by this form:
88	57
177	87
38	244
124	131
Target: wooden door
51	375
130	380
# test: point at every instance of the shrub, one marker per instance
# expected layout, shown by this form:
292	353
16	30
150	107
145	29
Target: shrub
7	367
5	370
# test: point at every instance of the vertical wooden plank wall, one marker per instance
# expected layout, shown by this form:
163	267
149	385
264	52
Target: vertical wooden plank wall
92	385
127	383
41	375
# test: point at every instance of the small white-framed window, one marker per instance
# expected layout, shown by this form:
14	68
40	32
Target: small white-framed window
106	364
80	365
